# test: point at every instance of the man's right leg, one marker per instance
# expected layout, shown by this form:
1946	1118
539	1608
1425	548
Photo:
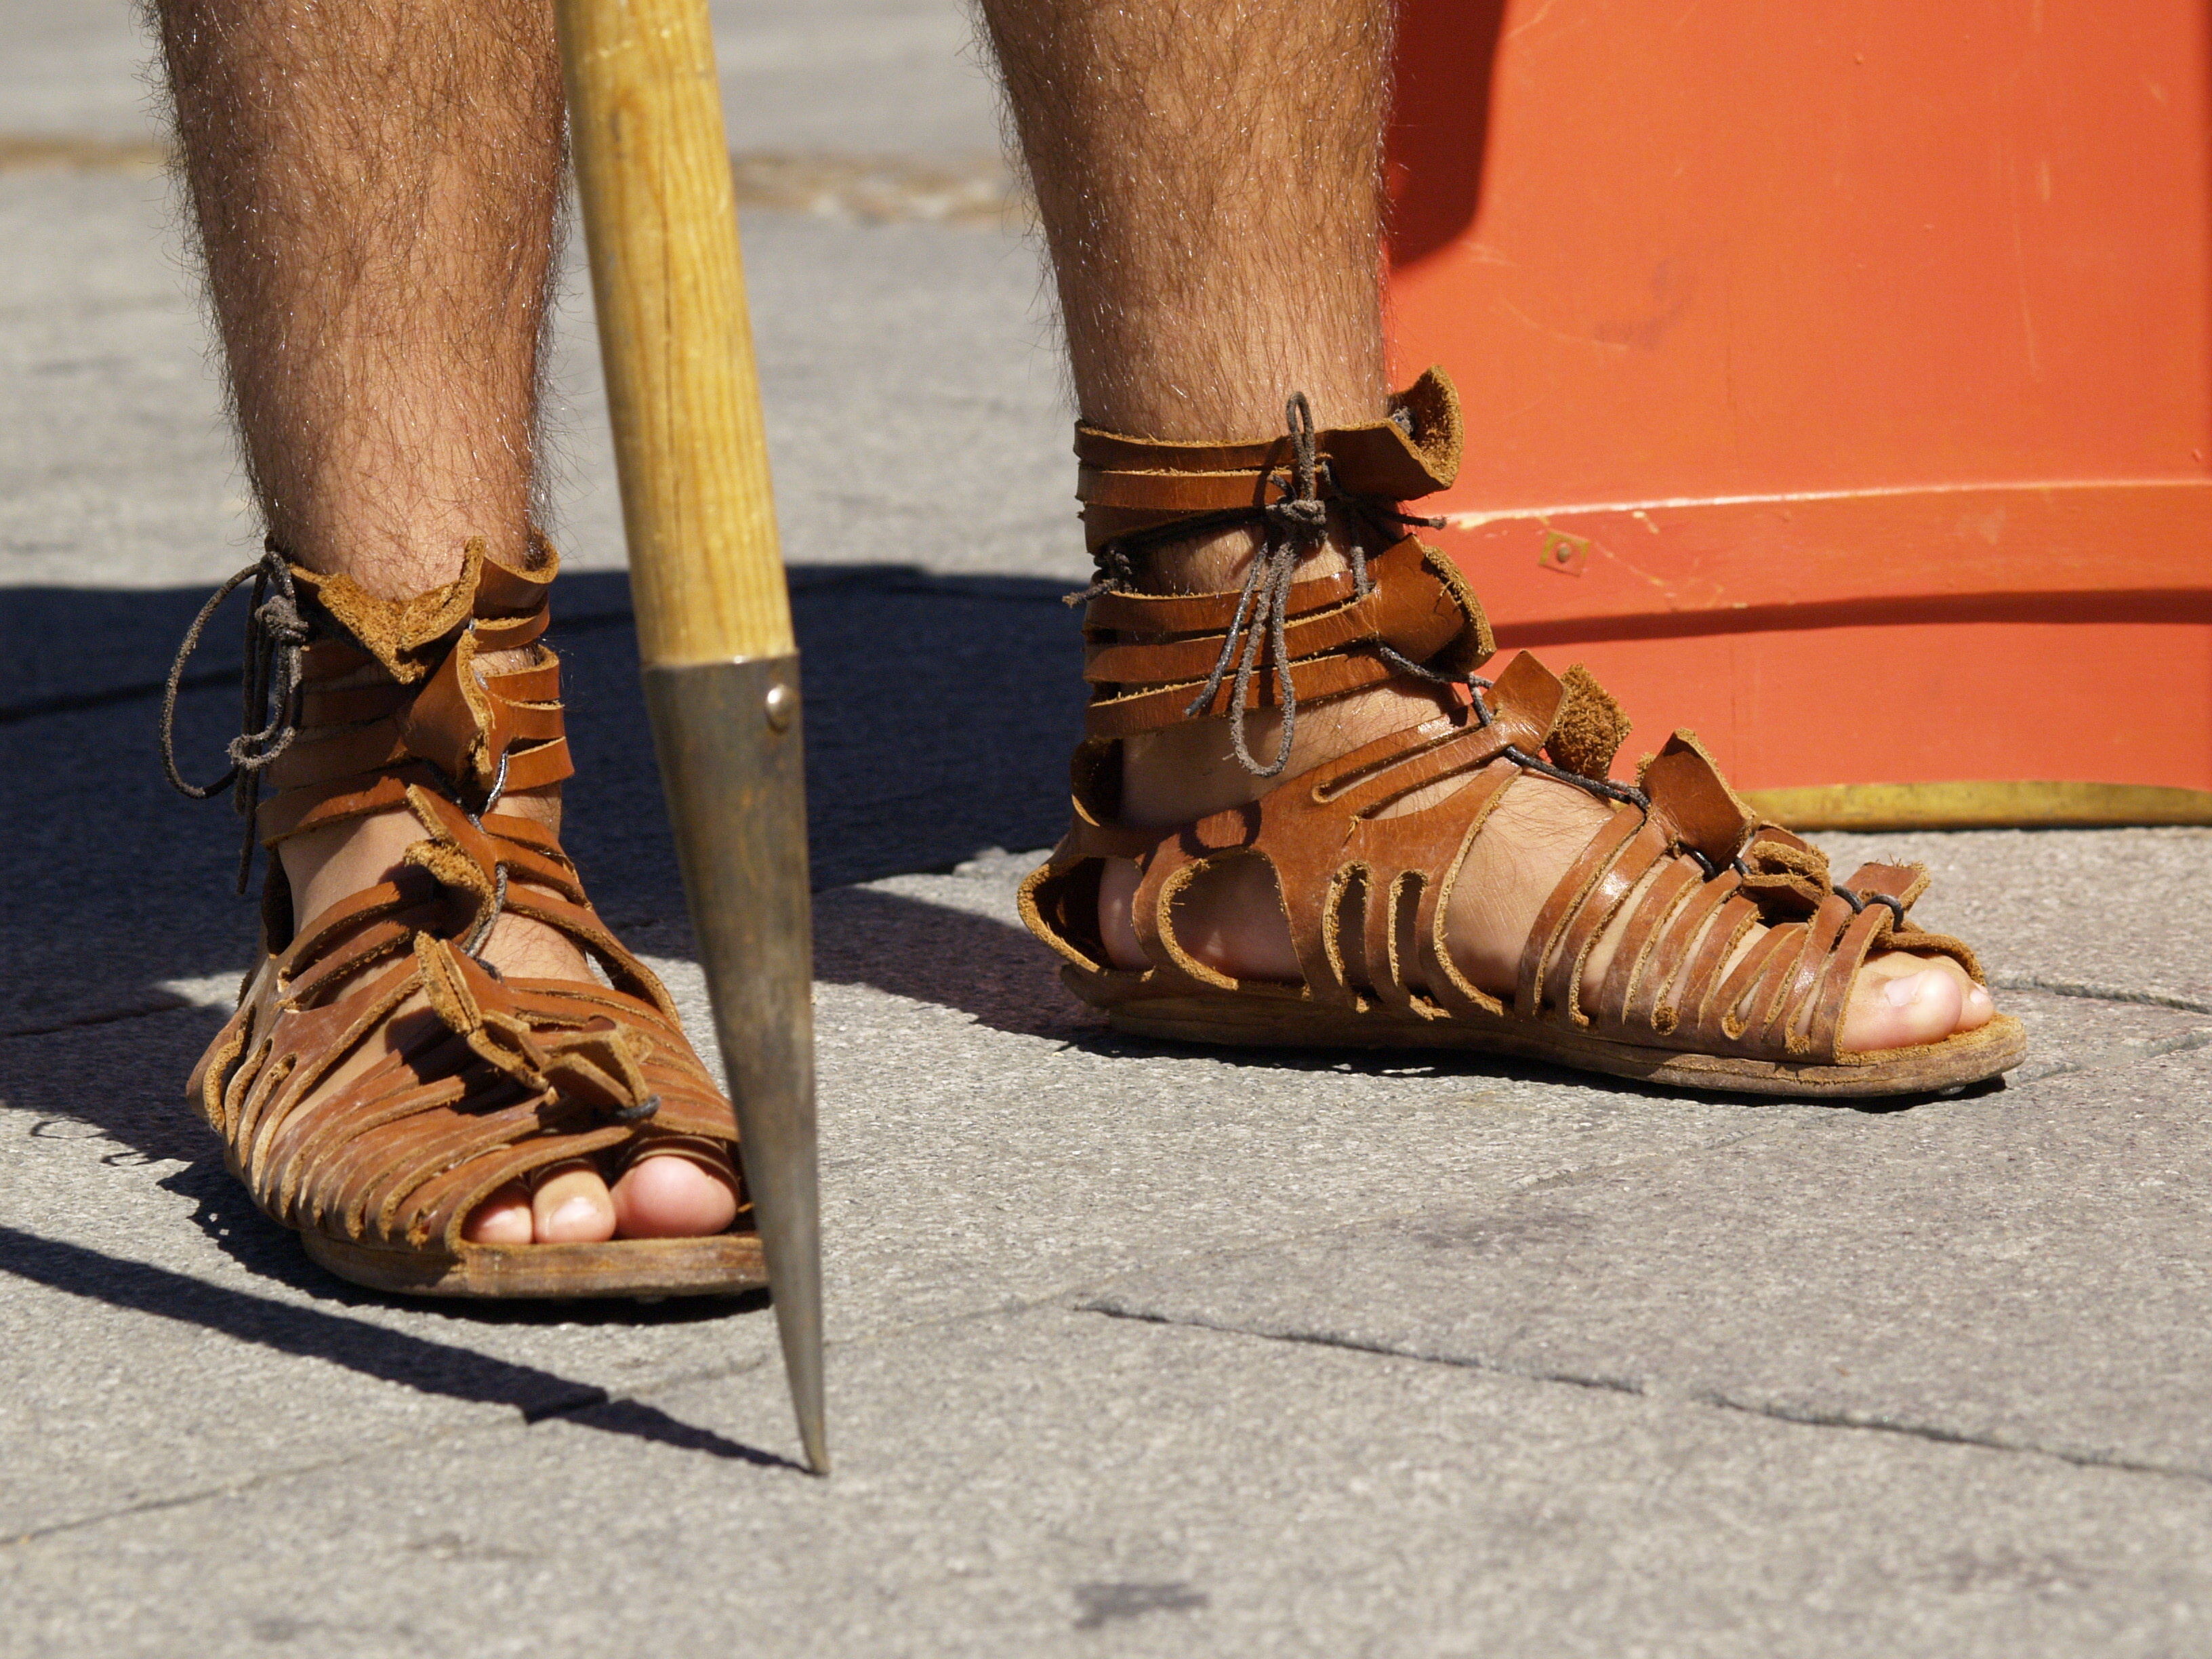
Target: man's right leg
376	185
1207	173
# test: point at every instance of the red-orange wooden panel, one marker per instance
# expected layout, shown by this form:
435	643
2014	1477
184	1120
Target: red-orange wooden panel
1838	378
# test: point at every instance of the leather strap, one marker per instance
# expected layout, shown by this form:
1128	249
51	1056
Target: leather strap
1417	609
432	716
1125	481
1405	607
1366	888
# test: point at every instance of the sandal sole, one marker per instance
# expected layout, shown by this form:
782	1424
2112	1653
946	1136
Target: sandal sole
723	1265
1244	1019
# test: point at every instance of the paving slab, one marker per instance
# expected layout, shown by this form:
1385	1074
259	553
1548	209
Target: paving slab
1134	1348
115	471
115	466
1050	1483
984	1147
987	1144
899	78
2024	1268
915	412
76	72
865	76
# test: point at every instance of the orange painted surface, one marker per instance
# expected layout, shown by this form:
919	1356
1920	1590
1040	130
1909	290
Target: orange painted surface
1825	361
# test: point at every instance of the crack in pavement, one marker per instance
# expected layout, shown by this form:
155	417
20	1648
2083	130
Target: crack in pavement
973	189
1801	1417
589	1399
2118	1053
180	1500
2095	991
1576	1175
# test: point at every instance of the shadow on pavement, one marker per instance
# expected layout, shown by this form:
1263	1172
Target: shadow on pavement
414	1362
940	711
992	970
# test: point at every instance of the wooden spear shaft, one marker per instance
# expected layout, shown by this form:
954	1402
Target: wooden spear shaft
713	618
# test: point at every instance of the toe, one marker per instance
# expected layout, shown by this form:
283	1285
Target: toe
666	1197
1899	1001
502	1219
571	1206
1976	1007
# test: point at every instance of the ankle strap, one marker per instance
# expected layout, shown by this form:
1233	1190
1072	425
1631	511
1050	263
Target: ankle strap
1155	660
399	697
1150	659
1130	484
359	697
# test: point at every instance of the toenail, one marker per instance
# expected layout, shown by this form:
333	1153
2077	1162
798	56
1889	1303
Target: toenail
1905	990
576	1209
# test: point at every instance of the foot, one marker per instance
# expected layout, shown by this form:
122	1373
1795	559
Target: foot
659	1196
1231	918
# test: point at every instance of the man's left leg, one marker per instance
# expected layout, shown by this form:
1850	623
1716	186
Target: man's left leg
1209	180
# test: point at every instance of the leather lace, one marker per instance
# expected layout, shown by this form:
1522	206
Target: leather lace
1292	526
276	634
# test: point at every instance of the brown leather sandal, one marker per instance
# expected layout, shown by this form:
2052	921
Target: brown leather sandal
1365	883
377	706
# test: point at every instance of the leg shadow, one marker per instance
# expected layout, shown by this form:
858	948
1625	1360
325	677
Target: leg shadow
1439	121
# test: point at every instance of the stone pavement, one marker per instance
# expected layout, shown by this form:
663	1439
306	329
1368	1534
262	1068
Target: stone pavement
1134	1349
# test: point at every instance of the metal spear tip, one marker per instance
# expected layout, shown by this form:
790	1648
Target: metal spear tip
813	1436
781	1172
730	743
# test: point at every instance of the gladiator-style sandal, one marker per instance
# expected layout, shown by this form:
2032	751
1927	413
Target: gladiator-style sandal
468	1080
1366	884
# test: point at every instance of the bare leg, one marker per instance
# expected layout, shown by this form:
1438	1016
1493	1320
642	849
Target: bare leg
1208	176
375	186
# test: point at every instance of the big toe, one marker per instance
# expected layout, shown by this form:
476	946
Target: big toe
1903	1001
668	1196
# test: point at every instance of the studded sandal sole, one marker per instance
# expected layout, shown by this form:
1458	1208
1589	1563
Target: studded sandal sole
1365	848
379	1080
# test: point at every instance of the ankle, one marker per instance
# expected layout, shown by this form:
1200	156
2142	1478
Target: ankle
1191	769
1172	776
1217	561
323	867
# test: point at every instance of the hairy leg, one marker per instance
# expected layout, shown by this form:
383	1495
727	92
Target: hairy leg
1206	172
1208	176
376	187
